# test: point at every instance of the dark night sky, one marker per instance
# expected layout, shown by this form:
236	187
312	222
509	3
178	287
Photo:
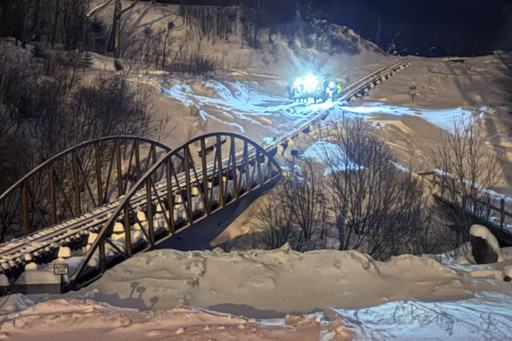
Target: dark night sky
464	27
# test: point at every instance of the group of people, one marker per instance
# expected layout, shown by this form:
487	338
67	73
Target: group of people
325	91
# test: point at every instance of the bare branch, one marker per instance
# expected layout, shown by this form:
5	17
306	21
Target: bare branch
129	7
98	8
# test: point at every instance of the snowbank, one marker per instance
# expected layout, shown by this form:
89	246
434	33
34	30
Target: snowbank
273	283
345	293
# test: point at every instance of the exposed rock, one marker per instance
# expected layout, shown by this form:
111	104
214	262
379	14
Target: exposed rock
484	245
118	65
507	273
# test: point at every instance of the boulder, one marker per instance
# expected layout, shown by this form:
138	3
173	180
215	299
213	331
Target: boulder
507	273
484	245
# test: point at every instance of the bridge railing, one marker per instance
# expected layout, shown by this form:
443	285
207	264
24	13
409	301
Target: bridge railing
74	182
186	185
477	202
363	85
358	88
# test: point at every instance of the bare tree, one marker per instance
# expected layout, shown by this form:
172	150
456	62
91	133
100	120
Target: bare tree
296	211
70	16
275	221
377	206
365	200
304	195
469	170
115	37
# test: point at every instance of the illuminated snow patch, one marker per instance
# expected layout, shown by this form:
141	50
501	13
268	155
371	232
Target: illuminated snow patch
447	118
380	108
236	97
179	92
401	167
485	317
442	118
332	155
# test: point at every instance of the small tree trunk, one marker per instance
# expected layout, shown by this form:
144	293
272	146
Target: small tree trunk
341	233
113	45
55	22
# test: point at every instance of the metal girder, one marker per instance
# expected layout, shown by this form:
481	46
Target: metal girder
74	182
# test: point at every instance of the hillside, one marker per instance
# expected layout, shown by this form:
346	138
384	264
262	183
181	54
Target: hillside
284	294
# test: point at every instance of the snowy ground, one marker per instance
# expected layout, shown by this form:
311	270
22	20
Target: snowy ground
161	295
344	294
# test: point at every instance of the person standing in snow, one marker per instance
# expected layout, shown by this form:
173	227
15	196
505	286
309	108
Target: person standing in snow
328	93
339	89
291	91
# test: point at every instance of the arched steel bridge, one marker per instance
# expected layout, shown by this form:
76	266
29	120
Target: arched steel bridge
113	197
98	203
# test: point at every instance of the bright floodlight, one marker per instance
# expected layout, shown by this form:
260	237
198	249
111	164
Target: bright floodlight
310	82
331	85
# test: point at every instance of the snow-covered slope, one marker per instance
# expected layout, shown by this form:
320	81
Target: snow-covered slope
408	298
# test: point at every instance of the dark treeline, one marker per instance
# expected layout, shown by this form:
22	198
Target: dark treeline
48	105
66	22
48	102
47	21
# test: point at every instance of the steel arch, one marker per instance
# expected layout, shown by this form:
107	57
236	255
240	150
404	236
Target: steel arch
188	184
75	181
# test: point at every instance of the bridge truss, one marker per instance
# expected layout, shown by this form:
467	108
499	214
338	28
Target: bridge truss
130	194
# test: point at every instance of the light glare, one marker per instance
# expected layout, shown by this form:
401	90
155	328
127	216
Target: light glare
310	82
